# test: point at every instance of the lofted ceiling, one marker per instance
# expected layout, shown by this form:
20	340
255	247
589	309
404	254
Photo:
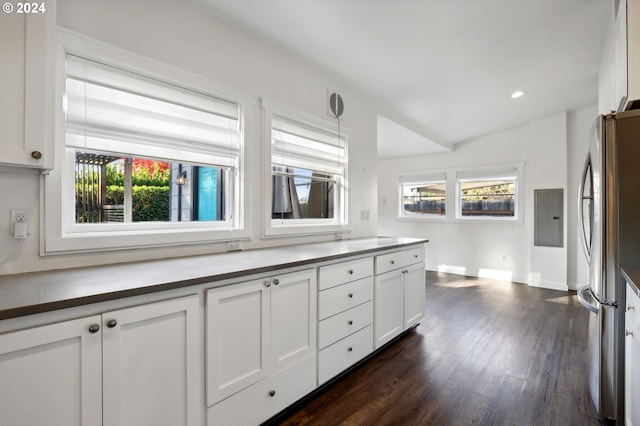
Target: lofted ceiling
441	71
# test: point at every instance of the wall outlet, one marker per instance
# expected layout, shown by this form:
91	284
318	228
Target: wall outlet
234	245
20	216
19	220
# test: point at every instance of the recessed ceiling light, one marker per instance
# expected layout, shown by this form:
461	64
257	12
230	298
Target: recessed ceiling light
517	94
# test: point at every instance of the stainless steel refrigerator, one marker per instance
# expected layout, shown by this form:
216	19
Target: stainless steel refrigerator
610	227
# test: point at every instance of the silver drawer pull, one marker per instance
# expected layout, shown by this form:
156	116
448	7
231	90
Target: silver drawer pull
267	283
272	393
628	333
393	262
415	255
350	349
350	271
350	322
350	295
631	308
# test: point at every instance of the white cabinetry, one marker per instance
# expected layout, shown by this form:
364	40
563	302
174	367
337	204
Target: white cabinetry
261	346
399	294
138	365
632	359
27	44
345	315
52	375
619	81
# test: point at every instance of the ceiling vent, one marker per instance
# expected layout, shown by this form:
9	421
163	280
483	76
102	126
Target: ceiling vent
335	105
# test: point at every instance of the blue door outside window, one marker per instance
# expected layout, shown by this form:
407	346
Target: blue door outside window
207	193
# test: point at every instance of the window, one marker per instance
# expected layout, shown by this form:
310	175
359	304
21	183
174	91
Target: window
424	197
147	159
146	151
487	195
308	173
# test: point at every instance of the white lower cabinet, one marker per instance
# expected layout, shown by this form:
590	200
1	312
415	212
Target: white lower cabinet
345	316
260	334
133	366
341	355
632	359
255	404
52	375
399	294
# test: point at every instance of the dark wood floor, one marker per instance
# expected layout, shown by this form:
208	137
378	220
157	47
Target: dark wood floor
489	353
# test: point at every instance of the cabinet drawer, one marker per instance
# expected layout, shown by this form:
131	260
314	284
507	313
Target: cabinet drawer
340	273
343	297
264	399
336	358
414	255
343	324
389	262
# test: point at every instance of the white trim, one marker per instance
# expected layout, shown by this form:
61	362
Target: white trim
451	176
292	227
59	237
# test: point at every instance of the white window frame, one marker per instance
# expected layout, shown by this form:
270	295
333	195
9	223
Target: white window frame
415	180
452	176
491	173
293	227
62	235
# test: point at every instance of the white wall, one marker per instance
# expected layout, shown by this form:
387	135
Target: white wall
548	148
184	36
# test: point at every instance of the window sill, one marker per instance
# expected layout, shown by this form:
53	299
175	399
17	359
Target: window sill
113	241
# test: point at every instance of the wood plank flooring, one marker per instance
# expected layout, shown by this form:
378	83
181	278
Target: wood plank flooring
489	353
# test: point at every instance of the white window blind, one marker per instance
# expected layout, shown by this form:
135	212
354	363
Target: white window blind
426	178
490	174
300	146
109	109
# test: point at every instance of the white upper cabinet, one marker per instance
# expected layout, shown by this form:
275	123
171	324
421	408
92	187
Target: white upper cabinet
27	47
619	79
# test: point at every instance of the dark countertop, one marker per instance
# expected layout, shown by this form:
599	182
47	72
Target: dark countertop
633	277
35	292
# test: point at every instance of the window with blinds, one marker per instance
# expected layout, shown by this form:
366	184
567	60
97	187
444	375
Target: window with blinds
308	172
423	196
491	194
147	151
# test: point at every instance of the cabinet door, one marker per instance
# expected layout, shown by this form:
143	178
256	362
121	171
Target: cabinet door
27	43
632	371
388	301
293	317
414	294
52	375
237	351
151	364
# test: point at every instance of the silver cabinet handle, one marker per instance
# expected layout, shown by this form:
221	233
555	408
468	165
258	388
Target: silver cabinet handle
276	281
94	328
267	283
272	393
393	262
628	333
112	323
350	295
350	322
350	349
350	271
631	308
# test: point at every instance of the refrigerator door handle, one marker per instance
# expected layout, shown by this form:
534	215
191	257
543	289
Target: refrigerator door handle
588	300
586	174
